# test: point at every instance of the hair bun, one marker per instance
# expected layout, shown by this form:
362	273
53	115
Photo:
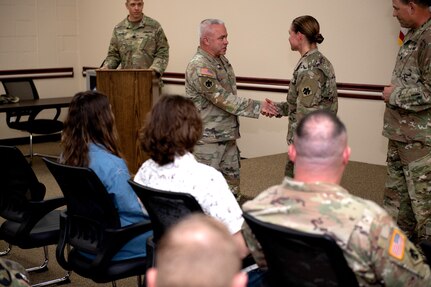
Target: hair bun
319	38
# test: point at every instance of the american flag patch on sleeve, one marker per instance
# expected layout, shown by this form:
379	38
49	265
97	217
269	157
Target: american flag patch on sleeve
207	72
397	244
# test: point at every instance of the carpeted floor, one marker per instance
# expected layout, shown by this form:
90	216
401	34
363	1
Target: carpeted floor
257	174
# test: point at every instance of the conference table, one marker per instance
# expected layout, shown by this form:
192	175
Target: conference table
45	103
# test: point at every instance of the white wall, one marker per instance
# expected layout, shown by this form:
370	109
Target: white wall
360	41
39	34
360	36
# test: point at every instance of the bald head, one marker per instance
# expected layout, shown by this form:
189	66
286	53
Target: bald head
196	252
320	146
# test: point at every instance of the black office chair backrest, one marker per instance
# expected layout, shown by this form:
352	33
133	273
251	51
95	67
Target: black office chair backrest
19	184
425	245
31	221
90	208
23	88
165	207
297	258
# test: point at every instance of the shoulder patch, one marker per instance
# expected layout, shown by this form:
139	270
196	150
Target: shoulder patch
306	91
207	84
397	244
206	72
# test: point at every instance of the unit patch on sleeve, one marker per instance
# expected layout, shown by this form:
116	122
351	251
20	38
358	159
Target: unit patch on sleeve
207	84
306	91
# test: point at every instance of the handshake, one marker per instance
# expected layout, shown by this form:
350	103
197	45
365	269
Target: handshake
270	109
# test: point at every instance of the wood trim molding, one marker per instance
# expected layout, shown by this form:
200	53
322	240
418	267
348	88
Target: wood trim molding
47	73
345	90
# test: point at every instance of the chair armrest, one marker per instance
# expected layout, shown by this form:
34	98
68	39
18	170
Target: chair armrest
35	211
36	112
62	242
38	209
43	207
57	114
117	238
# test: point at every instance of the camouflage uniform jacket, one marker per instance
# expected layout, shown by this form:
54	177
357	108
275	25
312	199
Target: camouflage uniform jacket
13	274
211	84
408	113
140	46
363	230
313	87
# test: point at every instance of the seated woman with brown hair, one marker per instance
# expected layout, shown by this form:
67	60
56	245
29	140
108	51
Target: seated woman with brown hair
170	132
90	140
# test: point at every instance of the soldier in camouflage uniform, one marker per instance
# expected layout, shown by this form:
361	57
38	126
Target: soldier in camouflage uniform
313	86
211	84
375	249
407	124
13	274
138	42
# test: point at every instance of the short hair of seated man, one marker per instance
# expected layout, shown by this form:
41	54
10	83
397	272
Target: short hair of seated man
198	251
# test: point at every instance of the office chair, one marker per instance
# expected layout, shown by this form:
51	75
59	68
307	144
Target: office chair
28	120
91	225
425	245
30	220
295	258
166	208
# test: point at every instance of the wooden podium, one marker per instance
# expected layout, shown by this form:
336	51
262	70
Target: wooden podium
131	94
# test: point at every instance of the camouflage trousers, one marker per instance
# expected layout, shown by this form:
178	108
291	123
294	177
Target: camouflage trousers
223	156
407	195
